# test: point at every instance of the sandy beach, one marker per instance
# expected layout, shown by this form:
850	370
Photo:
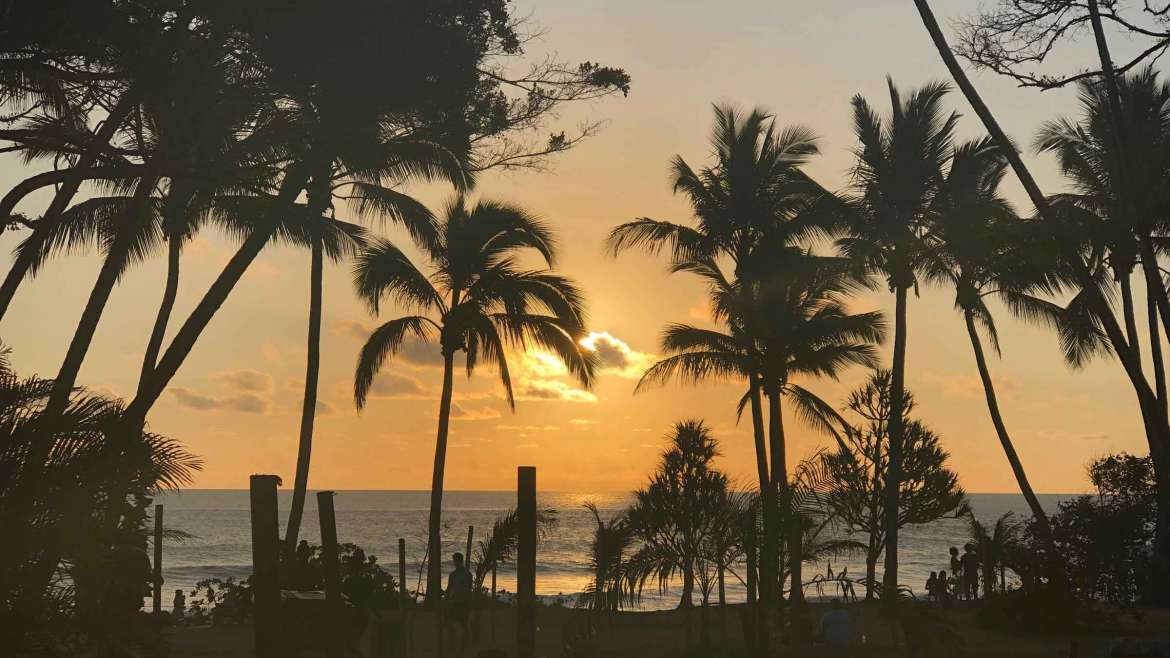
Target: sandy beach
665	633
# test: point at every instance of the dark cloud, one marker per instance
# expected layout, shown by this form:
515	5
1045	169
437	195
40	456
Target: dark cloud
393	386
459	412
414	351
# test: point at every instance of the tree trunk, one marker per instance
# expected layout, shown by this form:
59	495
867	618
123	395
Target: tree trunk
435	521
758	433
1128	313
61	200
111	270
1157	429
309	404
688	586
780	476
184	340
894	476
871	558
170	293
765	587
1054	560
1159	367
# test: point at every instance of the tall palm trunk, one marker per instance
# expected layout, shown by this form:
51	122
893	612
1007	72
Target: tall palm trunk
213	299
896	427
170	293
309	405
111	269
767	563
778	484
1057	573
1156	348
435	520
688	585
64	196
779	449
1153	416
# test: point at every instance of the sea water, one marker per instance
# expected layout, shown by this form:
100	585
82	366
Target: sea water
219	521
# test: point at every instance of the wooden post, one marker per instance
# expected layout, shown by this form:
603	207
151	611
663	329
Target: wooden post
749	541
158	541
265	564
526	562
492	614
329	549
467	555
402	569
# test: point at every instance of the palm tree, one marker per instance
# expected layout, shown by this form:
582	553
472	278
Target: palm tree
62	505
792	324
611	540
995	545
498	547
980	249
1153	412
755	186
477	300
900	164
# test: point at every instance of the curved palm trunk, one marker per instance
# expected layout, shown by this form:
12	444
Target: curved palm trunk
61	200
213	299
1127	310
1055	561
1159	367
309	405
435	520
107	278
1153	414
170	293
894	476
758	433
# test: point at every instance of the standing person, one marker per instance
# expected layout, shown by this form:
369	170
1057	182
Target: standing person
956	568
942	590
180	606
970	563
932	586
459	584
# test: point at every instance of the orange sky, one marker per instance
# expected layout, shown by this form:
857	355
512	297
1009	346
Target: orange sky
236	401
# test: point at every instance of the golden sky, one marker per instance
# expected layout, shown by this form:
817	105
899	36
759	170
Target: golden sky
236	401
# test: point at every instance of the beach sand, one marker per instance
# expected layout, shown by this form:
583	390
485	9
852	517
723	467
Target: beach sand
668	633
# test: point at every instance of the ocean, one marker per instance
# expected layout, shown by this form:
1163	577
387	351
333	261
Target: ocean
374	520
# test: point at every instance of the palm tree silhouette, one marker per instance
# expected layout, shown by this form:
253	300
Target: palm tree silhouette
477	300
900	164
980	249
755	187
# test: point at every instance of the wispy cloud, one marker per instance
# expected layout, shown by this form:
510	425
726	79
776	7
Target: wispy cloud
244	380
459	412
552	389
242	402
583	421
413	352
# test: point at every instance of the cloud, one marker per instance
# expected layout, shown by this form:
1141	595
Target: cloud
414	351
244	380
615	356
582	421
552	389
640	429
528	445
970	386
527	428
391	386
325	409
459	412
241	402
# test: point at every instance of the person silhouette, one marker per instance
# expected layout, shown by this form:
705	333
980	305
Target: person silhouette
956	567
932	586
179	609
942	591
970	563
459	584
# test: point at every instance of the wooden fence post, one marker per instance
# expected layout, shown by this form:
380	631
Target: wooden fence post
329	549
526	562
158	542
750	618
402	569
265	564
